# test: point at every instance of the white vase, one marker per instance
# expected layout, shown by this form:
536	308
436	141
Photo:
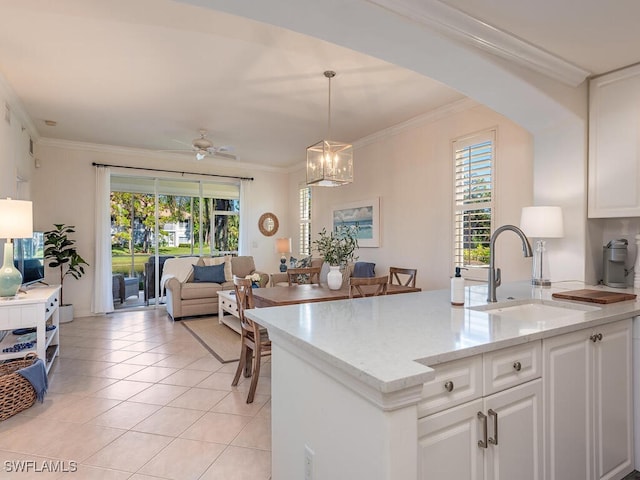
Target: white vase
334	278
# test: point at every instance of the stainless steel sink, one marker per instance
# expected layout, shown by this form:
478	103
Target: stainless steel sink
534	309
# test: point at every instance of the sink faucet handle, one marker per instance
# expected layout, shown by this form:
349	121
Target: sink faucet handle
498	277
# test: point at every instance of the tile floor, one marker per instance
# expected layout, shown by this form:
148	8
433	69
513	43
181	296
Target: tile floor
135	396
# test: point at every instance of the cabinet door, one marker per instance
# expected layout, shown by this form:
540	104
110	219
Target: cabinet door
448	444
614	144
613	407
567	403
518	450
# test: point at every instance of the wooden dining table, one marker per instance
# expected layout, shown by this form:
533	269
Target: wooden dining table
295	294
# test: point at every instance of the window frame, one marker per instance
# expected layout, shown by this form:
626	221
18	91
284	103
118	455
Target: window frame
304	219
472	272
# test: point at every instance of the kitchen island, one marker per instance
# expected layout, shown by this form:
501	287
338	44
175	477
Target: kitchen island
359	386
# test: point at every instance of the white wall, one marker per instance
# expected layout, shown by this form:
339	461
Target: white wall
410	168
64	187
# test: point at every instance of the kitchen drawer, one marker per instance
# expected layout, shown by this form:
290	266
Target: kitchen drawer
511	366
455	382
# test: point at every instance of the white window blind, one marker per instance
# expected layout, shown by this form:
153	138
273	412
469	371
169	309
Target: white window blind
305	220
473	201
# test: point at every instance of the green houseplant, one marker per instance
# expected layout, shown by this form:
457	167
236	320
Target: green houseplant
62	254
337	249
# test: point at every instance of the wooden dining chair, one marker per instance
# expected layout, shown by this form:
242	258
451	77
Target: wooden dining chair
298	276
408	278
356	284
254	340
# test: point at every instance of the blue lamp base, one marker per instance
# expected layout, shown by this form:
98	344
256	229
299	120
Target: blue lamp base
10	276
283	264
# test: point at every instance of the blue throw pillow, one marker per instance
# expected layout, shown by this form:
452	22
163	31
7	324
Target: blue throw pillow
211	273
364	270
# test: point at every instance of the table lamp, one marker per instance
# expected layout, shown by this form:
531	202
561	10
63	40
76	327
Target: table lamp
283	246
540	223
16	221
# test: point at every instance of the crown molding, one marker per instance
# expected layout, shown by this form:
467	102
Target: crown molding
142	152
431	116
463	27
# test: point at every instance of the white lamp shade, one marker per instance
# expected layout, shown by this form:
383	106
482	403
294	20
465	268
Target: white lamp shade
542	222
16	218
283	245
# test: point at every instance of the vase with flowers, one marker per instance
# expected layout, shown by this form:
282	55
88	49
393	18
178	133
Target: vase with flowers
337	248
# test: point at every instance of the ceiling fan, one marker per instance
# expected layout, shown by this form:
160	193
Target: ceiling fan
203	147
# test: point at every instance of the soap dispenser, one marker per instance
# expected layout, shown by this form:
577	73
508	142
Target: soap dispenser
457	288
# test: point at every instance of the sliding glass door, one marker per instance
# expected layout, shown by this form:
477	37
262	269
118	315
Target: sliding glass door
153	219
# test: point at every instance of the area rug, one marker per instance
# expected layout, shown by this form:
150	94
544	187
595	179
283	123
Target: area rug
222	342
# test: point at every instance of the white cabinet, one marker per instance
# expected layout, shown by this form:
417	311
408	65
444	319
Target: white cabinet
483	438
614	144
588	417
38	307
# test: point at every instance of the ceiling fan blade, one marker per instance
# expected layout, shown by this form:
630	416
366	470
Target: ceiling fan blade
182	143
229	156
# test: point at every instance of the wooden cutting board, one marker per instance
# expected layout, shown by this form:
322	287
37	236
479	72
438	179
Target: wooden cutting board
595	296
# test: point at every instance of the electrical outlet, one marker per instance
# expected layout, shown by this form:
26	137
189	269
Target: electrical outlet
308	463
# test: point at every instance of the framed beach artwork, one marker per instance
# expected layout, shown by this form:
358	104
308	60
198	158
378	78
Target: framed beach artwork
366	215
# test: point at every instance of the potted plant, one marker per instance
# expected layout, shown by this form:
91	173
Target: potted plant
337	249
62	253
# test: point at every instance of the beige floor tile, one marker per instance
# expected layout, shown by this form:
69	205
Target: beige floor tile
118	355
238	463
78	442
186	377
181	348
83	410
152	374
217	381
208	364
77	384
79	352
256	434
174	464
94	473
120	371
177	361
129	452
125	415
229	368
146	358
265	411
142	346
51	405
236	403
122	390
199	398
170	421
159	394
216	427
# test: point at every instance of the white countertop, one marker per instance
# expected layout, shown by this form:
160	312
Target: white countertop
389	342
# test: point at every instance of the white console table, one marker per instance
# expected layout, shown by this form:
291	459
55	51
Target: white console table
36	307
227	304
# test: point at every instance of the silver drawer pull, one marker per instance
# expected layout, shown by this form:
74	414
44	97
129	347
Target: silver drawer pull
483	418
494	414
517	366
448	386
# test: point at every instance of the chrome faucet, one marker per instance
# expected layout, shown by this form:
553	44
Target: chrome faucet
494	275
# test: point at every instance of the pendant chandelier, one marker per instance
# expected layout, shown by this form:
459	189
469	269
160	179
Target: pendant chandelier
329	163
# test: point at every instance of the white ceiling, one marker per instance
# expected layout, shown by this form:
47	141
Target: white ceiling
151	73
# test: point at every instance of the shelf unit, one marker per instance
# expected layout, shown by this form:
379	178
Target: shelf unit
36	307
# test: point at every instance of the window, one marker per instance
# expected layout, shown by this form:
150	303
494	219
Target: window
305	220
473	201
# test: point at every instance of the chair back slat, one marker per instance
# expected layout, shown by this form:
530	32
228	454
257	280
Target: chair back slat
356	284
298	276
408	279
244	300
